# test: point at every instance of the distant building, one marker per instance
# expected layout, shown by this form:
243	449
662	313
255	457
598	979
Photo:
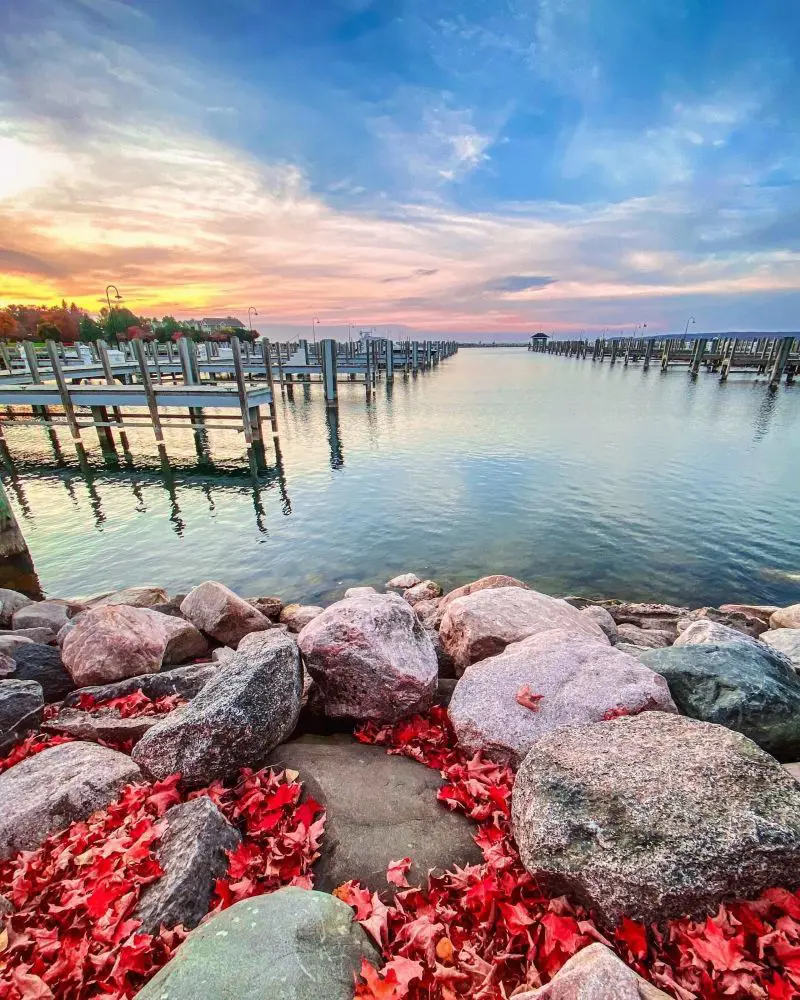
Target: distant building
210	324
538	338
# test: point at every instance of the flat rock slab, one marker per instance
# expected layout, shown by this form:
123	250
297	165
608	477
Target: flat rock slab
45	793
484	622
574	680
749	623
293	944
595	973
381	808
192	855
736	684
21	708
655	816
186	681
43	664
786	641
102	725
646	638
134	597
218	612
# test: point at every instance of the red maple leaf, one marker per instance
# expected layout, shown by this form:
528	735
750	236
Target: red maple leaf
527	699
396	872
723	953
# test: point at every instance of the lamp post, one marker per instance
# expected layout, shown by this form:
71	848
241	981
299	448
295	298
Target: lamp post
691	320
314	325
251	311
117	298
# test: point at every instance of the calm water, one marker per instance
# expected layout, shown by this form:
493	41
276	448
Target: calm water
578	478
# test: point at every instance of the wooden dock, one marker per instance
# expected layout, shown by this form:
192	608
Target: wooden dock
774	355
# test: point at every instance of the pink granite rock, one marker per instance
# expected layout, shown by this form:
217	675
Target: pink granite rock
483	623
297	616
647	638
134	597
370	658
430	613
595	973
217	611
786	617
568	679
761	611
403	582
111	643
428	590
485	583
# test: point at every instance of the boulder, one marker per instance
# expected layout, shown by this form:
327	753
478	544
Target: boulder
21	709
297	616
573	680
403	582
750	624
430	613
370	658
192	855
595	973
134	597
250	706
754	691
794	770
61	785
51	615
172	606
293	944
42	664
43	635
10	602
485	583
704	630
103	725
9	644
118	641
648	638
484	622
186	681
359	591
655	816
380	808
428	590
604	619
217	611
786	617
786	641
761	611
270	607
643	615
223	653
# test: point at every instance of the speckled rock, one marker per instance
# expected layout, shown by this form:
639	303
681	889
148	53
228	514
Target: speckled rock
37	662
134	597
430	613
103	725
403	582
52	615
579	680
647	615
293	944
47	792
595	973
250	706
118	641
186	681
218	612
370	658
655	816
704	630
192	855
736	684
485	583
11	601
648	638
483	623
604	619
428	590
786	641
786	617
297	616
21	708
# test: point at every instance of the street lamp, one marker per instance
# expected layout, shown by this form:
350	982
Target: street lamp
691	320
314	325
251	311
117	296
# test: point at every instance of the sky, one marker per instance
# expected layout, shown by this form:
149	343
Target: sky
480	167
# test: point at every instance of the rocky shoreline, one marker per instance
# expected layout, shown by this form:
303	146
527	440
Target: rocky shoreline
628	766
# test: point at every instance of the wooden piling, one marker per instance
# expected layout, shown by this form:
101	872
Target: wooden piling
241	386
329	371
781	357
66	401
138	352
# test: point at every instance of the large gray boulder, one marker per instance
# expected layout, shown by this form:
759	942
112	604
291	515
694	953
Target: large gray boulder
484	622
604	619
193	853
51	615
45	793
116	641
11	601
786	641
595	973
370	658
250	706
573	680
655	816
293	944
735	684
186	681
21	708
38	662
218	612
380	808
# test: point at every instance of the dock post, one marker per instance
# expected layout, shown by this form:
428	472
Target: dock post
665	354
697	356
36	379
727	361
415	356
780	362
614	350
104	435
648	353
138	352
367	374
241	386
389	361
66	401
329	371
273	409
102	351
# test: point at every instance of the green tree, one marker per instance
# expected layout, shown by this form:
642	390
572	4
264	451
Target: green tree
89	330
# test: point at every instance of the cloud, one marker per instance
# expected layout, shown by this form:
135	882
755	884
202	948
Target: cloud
421	272
519	282
26	263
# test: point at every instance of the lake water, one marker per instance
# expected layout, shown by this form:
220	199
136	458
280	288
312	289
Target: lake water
577	477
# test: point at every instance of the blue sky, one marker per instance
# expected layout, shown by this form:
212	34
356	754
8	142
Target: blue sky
472	167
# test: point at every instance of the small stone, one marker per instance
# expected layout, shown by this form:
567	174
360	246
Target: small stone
270	607
297	616
43	794
35	662
786	641
193	854
485	583
604	619
101	725
786	617
359	591
428	590
185	681
10	602
293	944
648	638
217	611
370	658
595	973
52	615
21	709
223	653
403	582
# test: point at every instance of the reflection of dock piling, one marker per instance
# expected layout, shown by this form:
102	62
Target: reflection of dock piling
773	354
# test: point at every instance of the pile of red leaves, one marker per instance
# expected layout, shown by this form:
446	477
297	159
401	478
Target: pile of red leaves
74	934
132	706
487	930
